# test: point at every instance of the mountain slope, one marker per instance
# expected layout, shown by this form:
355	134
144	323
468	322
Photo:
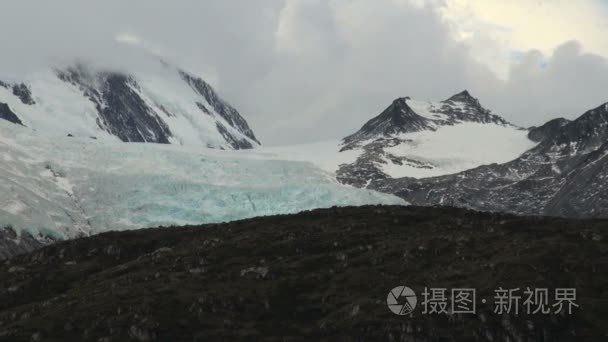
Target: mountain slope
424	139
564	175
159	104
320	276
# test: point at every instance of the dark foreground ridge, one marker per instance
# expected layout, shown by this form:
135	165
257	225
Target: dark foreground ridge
320	275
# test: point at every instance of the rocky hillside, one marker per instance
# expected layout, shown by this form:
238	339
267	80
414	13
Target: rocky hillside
321	275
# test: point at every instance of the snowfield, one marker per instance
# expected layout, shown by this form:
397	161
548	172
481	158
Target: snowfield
65	187
448	150
452	149
324	154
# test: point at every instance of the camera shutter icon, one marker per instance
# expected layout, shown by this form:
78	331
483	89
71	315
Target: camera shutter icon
401	300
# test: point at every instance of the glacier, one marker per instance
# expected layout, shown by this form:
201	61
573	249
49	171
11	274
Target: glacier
66	187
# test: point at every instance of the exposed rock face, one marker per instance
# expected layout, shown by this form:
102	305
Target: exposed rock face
12	244
397	118
366	168
464	107
7	114
225	110
121	111
24	94
547	130
20	90
307	277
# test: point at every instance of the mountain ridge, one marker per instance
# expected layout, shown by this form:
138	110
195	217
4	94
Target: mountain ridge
563	175
405	115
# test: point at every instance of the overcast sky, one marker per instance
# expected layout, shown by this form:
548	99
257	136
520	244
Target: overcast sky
305	70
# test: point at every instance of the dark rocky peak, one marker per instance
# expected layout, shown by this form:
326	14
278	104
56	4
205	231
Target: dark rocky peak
397	118
401	101
400	115
597	115
548	130
586	133
4	84
574	138
464	107
7	114
463	96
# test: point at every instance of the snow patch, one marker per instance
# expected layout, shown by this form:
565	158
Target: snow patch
426	109
325	154
452	149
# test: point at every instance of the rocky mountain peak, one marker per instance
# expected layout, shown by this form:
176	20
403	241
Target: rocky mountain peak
463	96
464	107
547	130
396	118
401	101
586	133
405	115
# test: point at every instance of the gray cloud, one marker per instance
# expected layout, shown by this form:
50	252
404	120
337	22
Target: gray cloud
302	70
540	88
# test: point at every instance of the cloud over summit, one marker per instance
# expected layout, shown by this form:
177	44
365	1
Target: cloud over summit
303	70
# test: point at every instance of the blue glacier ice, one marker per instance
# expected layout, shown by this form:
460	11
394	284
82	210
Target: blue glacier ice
66	187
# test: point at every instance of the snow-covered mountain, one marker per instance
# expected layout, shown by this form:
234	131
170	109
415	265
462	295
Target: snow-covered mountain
66	169
456	153
159	104
405	115
564	175
424	139
416	139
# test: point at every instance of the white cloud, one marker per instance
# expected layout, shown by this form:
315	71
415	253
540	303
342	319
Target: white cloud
496	28
541	87
128	38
